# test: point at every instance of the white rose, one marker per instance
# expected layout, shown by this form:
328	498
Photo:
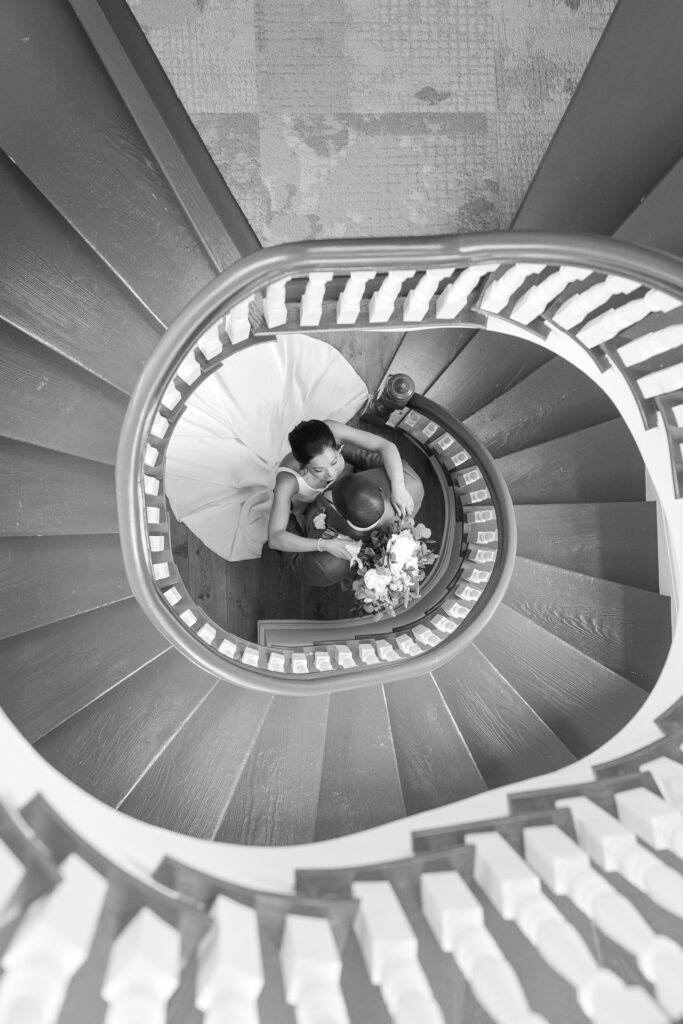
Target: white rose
370	579
401	548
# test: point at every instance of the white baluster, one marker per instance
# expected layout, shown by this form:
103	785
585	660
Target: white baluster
171	397
348	303
228	648
275	303
454	297
457	921
382	303
367	654
311	969
211	344
312	299
536	300
498	292
237	321
386	651
389	948
610	323
230	969
655	343
602	995
12	872
661	381
577	308
189	370
407	645
443	625
455	609
416	302
564	868
143	971
651	818
467	593
668	774
322	661
51	943
425	636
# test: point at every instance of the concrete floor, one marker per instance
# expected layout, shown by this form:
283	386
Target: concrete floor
343	118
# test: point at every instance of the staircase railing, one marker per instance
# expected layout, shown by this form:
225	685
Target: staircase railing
622	305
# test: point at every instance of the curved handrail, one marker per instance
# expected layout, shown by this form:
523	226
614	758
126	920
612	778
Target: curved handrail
236	287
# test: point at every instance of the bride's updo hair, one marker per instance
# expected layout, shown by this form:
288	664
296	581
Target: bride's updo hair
360	501
310	438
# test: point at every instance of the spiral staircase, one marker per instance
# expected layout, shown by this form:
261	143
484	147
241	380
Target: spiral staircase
100	255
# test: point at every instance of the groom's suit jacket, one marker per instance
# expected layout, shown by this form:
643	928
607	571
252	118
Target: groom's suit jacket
320	569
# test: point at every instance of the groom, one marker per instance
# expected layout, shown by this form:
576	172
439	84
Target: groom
355	504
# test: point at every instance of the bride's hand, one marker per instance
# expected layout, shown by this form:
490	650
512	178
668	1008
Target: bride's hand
341	547
402	501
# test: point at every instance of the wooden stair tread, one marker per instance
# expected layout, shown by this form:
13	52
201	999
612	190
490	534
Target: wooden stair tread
554	400
275	801
55	288
47	492
206	757
489	365
575	187
423	355
109	744
600	463
582	701
507	738
435	764
614	541
624	628
651	223
48	401
44	579
360	785
49	674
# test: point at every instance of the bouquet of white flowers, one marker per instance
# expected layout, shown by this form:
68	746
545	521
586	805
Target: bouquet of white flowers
390	567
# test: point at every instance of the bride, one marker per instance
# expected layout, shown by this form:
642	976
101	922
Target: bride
229	450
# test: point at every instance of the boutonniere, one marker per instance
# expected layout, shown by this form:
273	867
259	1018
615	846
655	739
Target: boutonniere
320	521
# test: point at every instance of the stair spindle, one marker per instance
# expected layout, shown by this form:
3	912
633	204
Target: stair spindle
143	971
11	873
651	818
578	307
230	967
416	302
237	322
348	303
654	343
661	381
498	292
211	343
455	296
311	970
275	303
382	303
612	322
311	309
51	943
536	300
668	774
390	951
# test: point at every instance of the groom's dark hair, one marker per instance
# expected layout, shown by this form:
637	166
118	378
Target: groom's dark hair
360	500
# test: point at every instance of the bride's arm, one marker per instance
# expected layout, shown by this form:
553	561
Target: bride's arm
281	539
391	460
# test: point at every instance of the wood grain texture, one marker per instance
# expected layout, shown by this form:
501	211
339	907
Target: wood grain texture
600	463
57	289
107	746
489	365
575	188
423	355
275	802
135	222
46	492
360	785
434	762
505	736
44	579
626	629
651	223
610	540
370	353
555	399
189	786
48	401
49	674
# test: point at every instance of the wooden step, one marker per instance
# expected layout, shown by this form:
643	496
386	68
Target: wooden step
488	366
48	401
505	735
424	355
360	785
600	463
611	540
626	629
189	786
107	746
135	221
275	801
651	222
582	701
435	764
575	187
55	288
370	354
46	492
44	579
556	399
50	673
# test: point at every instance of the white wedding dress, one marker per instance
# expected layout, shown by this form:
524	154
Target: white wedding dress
225	449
